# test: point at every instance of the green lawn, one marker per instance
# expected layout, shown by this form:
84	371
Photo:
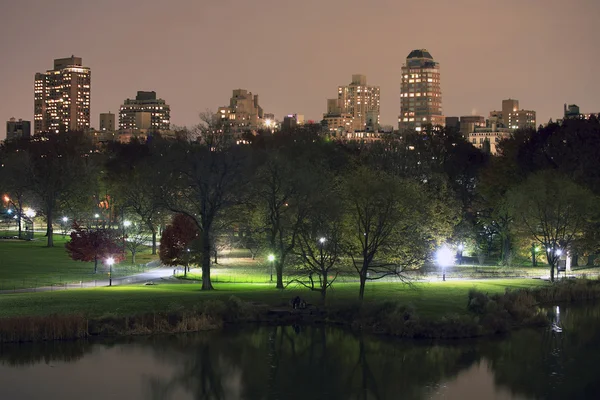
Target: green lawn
26	264
430	299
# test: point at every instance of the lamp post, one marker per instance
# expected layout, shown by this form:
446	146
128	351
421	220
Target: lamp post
444	259
533	258
271	261
460	253
110	261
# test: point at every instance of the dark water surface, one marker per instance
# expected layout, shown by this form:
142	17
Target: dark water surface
313	363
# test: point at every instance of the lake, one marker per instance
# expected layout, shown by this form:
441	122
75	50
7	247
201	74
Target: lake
314	363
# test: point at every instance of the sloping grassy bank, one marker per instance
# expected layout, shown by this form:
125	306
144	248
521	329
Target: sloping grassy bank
470	310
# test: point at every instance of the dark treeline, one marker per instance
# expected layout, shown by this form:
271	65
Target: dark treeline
317	205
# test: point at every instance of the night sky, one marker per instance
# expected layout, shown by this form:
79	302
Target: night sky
294	54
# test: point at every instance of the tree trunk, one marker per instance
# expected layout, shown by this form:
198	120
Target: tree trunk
279	270
590	260
551	272
216	261
50	228
206	283
133	257
20	222
95	264
363	281
153	240
324	289
505	249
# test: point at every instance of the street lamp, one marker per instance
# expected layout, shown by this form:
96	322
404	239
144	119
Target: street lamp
65	219
126	224
444	258
271	260
460	253
110	261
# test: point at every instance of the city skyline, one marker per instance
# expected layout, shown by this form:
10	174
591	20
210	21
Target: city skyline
198	60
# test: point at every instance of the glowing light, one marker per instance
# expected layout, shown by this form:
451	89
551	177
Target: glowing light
30	213
126	224
65	219
110	261
444	257
558	252
271	257
96	215
9	212
461	247
322	240
6	198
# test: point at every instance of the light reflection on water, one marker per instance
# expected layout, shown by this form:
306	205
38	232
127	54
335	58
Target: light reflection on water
313	363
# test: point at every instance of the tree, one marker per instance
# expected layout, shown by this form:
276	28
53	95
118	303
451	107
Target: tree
179	242
391	224
282	188
552	209
207	177
319	243
60	166
15	188
89	244
135	180
135	239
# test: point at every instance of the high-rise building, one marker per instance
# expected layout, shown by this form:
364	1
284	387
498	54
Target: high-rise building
512	118
145	112
420	92
62	97
361	101
16	129
243	113
107	122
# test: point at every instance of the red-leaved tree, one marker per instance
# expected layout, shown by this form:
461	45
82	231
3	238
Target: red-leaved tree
180	242
93	245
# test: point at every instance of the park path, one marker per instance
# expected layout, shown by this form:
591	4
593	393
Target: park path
157	274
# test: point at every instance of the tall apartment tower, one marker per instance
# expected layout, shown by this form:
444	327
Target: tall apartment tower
362	102
145	112
62	97
420	92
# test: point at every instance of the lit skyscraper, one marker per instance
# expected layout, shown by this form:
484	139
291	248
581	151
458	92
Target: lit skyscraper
62	97
420	92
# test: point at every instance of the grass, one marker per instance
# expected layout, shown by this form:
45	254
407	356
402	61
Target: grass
27	264
430	299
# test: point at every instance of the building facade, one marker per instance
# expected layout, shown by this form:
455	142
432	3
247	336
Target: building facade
62	97
359	100
243	113
468	124
107	122
420	93
145	112
512	117
16	129
487	139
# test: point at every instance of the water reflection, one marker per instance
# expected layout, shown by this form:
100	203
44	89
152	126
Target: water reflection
315	363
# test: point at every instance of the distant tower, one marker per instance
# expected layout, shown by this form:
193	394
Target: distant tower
420	92
62	97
